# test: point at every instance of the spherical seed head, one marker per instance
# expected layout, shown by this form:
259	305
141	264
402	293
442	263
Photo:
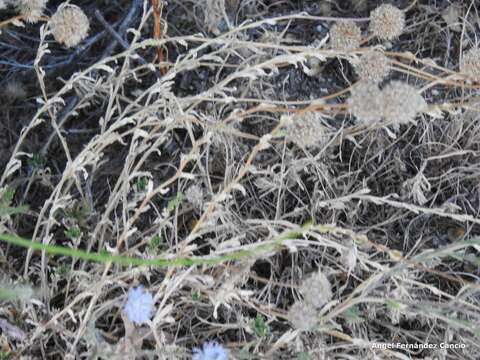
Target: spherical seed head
302	316
402	102
387	22
194	195
69	25
305	129
366	102
470	64
31	10
316	290
345	36
14	90
373	66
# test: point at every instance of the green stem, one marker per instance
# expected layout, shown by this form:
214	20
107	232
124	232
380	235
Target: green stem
129	260
103	257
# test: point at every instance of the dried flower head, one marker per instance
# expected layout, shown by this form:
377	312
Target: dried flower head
373	66
69	25
303	316
470	64
366	102
387	22
14	90
194	195
316	290
305	129
402	102
31	10
140	305
348	257
210	351
345	36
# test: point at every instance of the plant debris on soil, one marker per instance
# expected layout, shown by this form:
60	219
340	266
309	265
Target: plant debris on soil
240	179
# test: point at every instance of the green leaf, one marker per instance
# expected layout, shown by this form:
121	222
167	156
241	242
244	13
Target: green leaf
37	161
7	196
155	242
62	270
196	296
73	233
393	304
260	327
5	202
352	315
7	210
141	184
172	204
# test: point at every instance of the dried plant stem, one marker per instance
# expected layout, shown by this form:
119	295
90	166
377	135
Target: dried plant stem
157	6
429	77
20	18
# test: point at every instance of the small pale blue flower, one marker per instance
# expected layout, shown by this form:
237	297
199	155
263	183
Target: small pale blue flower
139	307
210	351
